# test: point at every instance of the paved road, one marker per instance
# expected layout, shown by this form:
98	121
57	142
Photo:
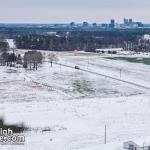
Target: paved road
107	76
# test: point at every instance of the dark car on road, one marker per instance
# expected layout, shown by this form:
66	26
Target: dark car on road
77	67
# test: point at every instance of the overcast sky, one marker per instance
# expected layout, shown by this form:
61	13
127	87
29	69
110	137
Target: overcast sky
65	11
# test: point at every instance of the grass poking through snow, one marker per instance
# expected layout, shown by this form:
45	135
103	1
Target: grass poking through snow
132	59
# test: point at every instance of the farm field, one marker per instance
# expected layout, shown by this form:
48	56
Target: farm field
76	105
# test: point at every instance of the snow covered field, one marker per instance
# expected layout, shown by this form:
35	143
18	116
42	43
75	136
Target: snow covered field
76	105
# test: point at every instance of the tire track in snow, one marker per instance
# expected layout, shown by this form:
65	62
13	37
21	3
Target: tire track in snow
47	86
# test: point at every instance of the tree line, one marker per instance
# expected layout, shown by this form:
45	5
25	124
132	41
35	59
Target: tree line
30	60
82	40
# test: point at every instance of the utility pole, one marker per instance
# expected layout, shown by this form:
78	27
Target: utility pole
105	134
120	73
60	67
143	145
88	63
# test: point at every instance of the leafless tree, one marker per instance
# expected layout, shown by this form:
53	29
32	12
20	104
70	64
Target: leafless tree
52	57
32	59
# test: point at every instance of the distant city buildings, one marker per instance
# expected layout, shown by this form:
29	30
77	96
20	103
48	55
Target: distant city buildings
127	24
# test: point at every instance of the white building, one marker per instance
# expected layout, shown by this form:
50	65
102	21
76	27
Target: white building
52	33
146	37
11	43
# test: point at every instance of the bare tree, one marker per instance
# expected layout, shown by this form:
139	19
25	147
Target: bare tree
8	58
32	59
52	57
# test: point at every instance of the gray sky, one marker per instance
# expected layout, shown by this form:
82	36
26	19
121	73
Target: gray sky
65	11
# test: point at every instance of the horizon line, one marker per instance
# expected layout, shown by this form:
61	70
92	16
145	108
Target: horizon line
65	22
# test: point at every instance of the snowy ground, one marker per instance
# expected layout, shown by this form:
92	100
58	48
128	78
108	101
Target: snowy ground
77	105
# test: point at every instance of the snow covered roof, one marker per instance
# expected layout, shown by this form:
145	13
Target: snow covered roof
146	37
142	142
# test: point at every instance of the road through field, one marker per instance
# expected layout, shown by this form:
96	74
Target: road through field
107	76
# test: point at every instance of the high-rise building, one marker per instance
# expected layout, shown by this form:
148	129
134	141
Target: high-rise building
126	22
112	23
85	24
130	21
